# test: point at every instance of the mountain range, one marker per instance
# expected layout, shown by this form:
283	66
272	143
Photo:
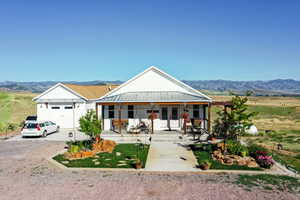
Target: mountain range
277	87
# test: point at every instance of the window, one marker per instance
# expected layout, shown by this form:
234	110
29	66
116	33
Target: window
174	114
55	107
111	112
68	107
30	125
31	118
196	112
130	112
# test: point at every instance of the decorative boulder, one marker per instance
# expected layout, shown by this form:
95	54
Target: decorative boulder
228	161
252	130
104	146
252	164
241	162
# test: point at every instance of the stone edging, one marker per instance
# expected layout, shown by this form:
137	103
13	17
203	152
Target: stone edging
211	171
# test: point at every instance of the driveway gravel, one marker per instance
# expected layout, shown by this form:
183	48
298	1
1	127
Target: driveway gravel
25	173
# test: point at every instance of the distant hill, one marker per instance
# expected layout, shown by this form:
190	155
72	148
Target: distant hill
272	87
278	87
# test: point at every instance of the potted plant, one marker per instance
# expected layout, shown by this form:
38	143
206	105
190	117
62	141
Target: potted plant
152	116
205	165
138	164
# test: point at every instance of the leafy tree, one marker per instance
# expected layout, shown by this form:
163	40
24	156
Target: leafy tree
234	123
90	125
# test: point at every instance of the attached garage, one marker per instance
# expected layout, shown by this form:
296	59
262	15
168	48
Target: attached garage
64	104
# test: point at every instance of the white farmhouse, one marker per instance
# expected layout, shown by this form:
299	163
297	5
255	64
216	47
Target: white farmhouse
152	91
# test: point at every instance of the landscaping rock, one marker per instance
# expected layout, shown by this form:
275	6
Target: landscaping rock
228	161
252	164
97	163
118	154
104	146
241	162
121	164
65	162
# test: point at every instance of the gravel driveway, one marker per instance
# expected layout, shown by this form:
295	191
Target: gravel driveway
26	174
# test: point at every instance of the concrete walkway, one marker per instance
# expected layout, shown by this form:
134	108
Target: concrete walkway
170	156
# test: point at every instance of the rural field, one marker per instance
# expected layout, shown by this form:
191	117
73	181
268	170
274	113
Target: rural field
278	122
14	107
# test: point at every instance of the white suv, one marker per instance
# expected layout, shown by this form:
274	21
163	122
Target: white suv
39	129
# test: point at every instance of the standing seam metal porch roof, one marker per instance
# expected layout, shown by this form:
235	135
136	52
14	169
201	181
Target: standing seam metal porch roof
165	96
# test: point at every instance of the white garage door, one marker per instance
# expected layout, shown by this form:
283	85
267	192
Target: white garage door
61	114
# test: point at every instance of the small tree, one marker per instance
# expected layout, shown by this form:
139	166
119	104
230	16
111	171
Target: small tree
90	125
234	123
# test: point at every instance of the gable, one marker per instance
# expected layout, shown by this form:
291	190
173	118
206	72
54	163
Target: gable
154	80
57	92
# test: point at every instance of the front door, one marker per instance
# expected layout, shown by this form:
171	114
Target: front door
164	118
174	118
169	117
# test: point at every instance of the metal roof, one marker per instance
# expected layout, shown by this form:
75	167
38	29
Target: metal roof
168	96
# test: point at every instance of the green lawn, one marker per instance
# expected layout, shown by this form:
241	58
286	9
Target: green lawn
127	158
203	155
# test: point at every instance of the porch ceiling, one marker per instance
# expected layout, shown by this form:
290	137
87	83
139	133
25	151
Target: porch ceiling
154	97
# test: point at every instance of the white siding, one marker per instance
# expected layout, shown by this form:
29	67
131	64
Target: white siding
151	81
59	93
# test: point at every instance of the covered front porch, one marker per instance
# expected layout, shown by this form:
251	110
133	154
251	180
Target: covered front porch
159	117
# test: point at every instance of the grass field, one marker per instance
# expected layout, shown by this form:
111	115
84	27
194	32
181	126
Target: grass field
14	107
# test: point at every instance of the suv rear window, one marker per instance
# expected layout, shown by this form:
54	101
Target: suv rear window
30	125
31	118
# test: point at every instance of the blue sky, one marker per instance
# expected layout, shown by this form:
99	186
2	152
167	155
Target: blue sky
115	40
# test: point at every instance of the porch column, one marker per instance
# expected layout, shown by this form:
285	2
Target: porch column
184	118
152	120
120	127
209	118
204	116
102	115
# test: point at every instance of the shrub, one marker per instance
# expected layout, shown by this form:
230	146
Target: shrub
76	146
254	150
236	148
261	155
265	161
90	125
